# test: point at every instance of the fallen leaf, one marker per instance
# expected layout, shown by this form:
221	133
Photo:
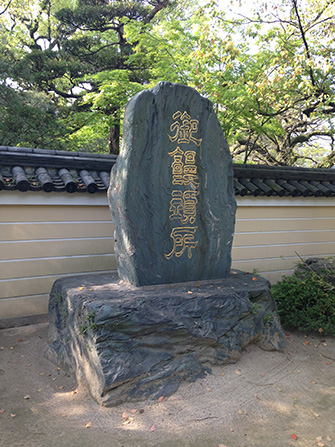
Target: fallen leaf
257	397
141	411
89	424
254	278
160	399
307	342
58	369
80	288
320	330
238	373
222	445
27	397
208	389
277	387
19	340
126	422
313	381
222	374
64	415
329	363
153	428
61	387
294	437
74	392
321	444
190	292
262	375
2	411
319	439
329	439
125	415
41	374
29	364
133	411
12	415
240	411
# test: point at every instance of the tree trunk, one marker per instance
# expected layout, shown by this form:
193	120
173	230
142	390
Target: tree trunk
114	139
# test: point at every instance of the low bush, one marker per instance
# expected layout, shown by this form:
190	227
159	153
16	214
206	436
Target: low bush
306	300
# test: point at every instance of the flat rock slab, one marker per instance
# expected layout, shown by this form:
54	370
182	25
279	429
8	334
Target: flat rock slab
130	344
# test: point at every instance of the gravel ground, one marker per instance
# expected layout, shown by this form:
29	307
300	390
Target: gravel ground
270	399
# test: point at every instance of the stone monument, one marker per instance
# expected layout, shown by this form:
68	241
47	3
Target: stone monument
176	308
171	191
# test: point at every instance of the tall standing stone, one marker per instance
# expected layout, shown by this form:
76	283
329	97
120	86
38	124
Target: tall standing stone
171	196
171	191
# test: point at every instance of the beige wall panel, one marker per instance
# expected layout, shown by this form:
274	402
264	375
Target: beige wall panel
28	286
284	224
263	235
272	238
24	306
276	251
274	277
53	248
54	213
50	266
266	265
21	231
269	212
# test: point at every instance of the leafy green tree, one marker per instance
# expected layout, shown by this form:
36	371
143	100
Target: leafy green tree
269	73
61	49
272	78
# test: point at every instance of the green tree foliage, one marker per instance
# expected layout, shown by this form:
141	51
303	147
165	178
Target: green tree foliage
61	49
294	88
272	77
269	72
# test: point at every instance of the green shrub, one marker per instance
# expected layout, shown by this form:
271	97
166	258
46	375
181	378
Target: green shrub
306	301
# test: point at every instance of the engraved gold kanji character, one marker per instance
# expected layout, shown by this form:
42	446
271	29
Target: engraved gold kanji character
189	206
190	179
183	239
176	205
190	157
184	129
177	166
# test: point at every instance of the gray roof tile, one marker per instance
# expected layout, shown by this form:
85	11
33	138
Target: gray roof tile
26	169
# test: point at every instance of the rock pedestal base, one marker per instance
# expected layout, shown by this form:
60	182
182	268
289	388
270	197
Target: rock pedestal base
130	344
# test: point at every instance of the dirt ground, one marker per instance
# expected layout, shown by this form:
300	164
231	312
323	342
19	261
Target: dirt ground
270	399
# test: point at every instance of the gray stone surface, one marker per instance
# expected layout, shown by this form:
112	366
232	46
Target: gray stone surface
171	192
130	343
